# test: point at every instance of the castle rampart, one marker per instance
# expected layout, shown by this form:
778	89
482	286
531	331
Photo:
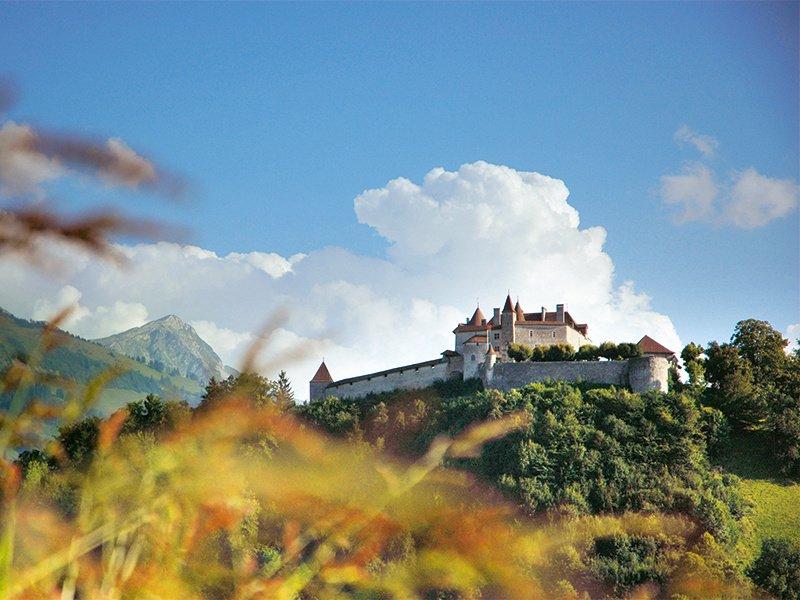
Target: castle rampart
482	351
409	377
640	374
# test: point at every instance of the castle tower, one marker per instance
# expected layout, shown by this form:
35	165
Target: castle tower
320	381
507	320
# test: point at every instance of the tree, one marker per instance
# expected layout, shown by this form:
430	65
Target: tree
246	386
588	352
693	359
519	352
777	569
763	347
79	439
284	392
558	352
608	350
154	414
732	385
27	458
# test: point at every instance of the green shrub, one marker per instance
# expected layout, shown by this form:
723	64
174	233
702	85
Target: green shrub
519	352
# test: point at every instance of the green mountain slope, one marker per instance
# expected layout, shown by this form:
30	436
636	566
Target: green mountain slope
170	345
82	360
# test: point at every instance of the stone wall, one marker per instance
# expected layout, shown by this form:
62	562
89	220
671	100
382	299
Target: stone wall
410	377
509	375
639	374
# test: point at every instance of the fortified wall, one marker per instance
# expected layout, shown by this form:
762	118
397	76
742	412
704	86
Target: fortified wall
640	374
409	377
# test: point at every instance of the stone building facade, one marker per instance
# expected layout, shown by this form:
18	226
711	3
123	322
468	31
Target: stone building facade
481	351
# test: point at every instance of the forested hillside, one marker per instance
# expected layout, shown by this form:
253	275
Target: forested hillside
80	361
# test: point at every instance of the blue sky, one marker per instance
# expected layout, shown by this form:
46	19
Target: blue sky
280	115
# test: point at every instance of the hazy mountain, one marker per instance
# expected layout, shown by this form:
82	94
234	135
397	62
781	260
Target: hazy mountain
83	360
170	345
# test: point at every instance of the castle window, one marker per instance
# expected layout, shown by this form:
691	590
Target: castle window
554	334
473	358
497	336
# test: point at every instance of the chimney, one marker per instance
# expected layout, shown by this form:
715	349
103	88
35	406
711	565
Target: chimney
544	314
496	317
560	313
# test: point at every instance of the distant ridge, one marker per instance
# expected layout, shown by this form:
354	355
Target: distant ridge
172	346
82	360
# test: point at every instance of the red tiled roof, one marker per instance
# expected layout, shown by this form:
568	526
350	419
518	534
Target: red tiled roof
477	318
508	307
491	351
322	374
649	346
462	327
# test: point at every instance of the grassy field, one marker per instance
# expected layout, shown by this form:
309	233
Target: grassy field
776	500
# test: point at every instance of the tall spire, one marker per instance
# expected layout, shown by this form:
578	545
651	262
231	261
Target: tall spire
509	306
519	311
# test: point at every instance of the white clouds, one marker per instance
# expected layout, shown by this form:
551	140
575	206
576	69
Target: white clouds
693	190
705	144
226	342
100	322
744	199
756	200
272	264
455	236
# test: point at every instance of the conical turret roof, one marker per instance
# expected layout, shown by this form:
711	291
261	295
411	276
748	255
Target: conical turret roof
509	306
491	351
477	317
322	374
519	311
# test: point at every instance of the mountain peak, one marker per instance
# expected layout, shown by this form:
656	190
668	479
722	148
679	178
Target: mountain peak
171	345
170	320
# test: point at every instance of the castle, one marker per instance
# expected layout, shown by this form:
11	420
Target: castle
481	351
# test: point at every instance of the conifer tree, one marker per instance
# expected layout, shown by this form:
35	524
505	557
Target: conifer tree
285	394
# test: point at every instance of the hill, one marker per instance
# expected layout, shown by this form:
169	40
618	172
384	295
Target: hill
171	345
81	360
775	499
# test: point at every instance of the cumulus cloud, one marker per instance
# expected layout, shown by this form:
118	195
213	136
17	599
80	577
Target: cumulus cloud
693	191
272	264
454	236
89	323
755	200
745	199
705	144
